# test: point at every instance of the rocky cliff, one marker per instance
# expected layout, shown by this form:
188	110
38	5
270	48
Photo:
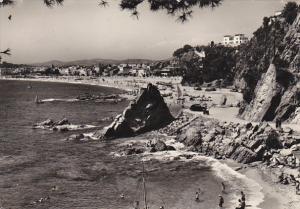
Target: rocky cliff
147	112
271	83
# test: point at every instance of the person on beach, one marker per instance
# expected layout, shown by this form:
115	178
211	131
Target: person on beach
281	177
243	198
298	188
221	201
136	205
197	196
241	205
292	179
223	186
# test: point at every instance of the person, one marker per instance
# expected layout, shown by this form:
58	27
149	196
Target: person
243	198
197	196
285	181
199	191
223	186
292	179
281	177
221	201
241	205
136	205
298	188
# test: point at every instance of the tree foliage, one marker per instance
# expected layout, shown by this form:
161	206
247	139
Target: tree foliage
290	12
218	63
180	51
181	8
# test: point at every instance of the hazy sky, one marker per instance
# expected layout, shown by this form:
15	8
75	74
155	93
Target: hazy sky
82	30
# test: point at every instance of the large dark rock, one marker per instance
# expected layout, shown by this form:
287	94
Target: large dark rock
158	146
147	112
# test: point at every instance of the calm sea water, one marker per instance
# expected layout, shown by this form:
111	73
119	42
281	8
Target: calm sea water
37	164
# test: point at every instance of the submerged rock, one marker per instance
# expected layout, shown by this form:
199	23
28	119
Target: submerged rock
147	112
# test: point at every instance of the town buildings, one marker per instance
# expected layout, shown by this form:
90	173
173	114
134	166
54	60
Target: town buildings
234	40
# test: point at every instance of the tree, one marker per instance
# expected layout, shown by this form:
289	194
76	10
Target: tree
290	12
181	8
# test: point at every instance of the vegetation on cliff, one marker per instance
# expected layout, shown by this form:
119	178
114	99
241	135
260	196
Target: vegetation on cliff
206	63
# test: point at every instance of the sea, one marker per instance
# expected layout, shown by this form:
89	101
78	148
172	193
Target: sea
40	169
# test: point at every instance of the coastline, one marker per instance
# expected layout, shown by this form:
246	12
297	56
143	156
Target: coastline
275	196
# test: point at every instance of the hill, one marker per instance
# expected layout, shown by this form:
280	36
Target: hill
90	62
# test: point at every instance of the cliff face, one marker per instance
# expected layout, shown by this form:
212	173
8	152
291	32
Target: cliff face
271	84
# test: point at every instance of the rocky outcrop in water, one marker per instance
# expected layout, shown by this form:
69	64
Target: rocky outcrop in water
61	125
147	112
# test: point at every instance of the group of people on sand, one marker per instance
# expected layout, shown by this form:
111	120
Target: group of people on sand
242	200
290	179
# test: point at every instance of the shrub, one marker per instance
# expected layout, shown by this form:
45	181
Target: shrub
290	12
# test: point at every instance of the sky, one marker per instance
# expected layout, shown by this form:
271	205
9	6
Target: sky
82	30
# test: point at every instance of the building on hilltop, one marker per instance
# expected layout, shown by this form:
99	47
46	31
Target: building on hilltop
235	40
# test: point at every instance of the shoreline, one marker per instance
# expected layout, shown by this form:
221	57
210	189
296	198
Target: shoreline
275	196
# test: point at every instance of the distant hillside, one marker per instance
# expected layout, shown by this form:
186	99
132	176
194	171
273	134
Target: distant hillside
90	62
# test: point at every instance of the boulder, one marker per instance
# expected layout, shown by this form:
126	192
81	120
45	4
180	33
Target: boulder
209	137
64	121
47	122
219	130
134	151
272	139
286	152
159	146
191	136
147	112
244	155
248	126
170	148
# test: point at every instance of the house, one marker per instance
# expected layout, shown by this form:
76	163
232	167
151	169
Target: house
228	40
235	40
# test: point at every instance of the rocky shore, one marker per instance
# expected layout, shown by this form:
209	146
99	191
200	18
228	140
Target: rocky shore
61	125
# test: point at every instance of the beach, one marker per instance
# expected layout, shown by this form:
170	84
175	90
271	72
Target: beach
264	193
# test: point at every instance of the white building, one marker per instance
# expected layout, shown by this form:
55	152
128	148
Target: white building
235	40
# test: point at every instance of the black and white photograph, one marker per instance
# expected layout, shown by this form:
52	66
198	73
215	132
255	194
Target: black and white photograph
149	104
